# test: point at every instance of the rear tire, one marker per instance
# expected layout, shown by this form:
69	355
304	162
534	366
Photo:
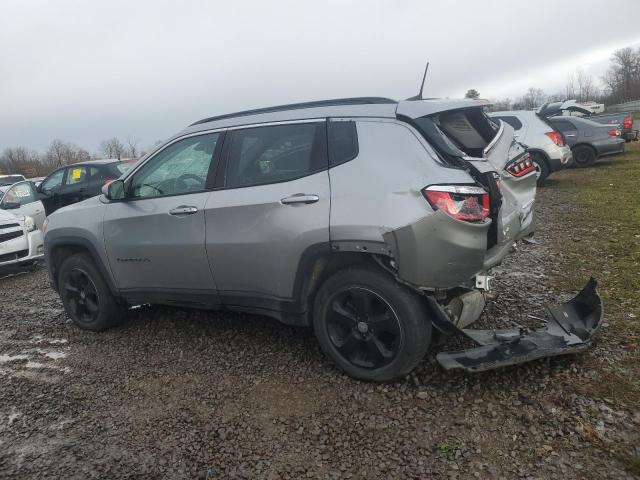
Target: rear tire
583	156
369	325
542	169
86	296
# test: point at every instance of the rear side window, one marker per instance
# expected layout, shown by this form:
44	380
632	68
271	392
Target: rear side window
343	141
76	175
563	125
513	121
275	153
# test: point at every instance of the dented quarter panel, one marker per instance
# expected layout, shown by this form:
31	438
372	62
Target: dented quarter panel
379	202
431	249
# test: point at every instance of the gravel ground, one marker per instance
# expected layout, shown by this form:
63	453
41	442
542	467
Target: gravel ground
187	394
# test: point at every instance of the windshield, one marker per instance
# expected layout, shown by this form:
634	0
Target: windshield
10	180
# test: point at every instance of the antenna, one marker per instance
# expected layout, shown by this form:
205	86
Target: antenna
424	77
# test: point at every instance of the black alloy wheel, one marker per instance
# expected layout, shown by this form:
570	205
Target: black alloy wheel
81	295
363	328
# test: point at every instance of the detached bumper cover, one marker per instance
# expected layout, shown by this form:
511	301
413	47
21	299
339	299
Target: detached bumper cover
570	328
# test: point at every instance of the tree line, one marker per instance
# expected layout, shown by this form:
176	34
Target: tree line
620	83
30	163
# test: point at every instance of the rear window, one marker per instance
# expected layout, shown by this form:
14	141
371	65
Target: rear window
11	179
124	167
343	141
470	130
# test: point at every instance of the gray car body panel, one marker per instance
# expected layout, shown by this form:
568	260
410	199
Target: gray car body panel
244	242
590	133
254	242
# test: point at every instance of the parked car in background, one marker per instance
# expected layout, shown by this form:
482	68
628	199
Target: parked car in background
21	241
372	221
21	199
588	140
7	180
623	121
79	181
544	142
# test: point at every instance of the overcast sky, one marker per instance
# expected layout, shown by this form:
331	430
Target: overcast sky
83	71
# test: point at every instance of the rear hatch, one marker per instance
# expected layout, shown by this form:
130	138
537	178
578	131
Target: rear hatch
467	138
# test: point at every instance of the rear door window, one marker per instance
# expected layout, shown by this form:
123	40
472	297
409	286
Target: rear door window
563	125
276	153
511	120
343	141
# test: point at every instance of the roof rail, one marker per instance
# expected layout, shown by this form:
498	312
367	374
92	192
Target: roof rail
297	106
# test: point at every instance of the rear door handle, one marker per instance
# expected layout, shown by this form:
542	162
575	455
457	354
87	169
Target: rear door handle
183	210
569	134
300	198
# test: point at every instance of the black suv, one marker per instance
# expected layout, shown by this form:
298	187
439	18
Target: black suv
77	182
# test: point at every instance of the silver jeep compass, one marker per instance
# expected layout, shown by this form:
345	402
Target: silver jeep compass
373	221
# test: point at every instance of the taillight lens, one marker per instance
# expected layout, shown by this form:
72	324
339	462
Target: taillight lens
627	123
556	138
614	132
521	166
462	202
108	181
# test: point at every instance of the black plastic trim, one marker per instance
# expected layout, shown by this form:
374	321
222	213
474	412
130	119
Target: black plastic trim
299	106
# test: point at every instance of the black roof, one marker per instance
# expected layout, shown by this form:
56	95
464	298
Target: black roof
298	106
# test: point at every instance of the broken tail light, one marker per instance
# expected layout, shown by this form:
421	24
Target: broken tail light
627	123
521	166
614	132
556	137
462	202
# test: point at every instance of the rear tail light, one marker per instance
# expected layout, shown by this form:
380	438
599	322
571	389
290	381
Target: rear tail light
521	166
108	181
462	202
556	137
627	123
614	132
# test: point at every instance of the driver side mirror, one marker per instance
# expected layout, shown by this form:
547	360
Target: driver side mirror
114	190
9	205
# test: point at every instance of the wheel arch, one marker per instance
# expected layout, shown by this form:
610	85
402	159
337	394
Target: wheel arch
318	263
57	249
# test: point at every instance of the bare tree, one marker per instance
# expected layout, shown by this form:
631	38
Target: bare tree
570	89
22	161
132	148
585	85
112	148
533	98
622	80
500	105
62	153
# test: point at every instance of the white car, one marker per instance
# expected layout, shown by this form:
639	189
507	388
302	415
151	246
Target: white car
21	242
21	199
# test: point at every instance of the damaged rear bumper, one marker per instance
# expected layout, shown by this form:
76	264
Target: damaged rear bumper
570	328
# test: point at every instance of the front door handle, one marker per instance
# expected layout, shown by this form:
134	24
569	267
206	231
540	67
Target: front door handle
300	198
569	134
183	210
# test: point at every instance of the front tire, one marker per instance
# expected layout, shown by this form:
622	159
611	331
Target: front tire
86	296
583	156
371	326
